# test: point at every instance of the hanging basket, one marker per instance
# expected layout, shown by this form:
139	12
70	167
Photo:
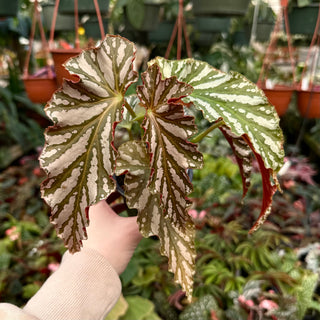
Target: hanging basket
220	7
41	85
279	97
309	103
60	56
39	90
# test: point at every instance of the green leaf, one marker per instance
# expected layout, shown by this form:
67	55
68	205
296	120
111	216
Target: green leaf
79	156
176	244
244	109
166	132
118	310
139	309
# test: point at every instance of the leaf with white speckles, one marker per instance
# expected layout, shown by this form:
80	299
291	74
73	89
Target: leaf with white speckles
241	105
175	243
79	156
166	132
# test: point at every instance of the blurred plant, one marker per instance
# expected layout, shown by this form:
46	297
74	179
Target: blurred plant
20	131
29	249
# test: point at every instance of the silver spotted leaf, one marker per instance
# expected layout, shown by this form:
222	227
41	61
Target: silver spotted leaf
167	129
79	156
243	108
176	244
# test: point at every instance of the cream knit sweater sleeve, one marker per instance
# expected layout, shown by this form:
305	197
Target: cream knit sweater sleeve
85	287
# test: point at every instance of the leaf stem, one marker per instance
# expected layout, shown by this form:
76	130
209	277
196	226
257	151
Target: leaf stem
204	133
127	105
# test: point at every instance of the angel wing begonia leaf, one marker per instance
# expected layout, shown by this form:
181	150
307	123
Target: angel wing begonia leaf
79	156
240	104
243	156
176	244
166	132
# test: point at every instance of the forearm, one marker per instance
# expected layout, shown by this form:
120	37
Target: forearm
84	287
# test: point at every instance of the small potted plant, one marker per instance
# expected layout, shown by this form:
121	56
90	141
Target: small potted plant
85	151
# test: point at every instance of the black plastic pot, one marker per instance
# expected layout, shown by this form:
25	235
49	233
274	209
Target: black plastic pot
220	7
84	6
8	8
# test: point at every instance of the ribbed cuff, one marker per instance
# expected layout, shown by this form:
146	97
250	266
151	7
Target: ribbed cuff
85	287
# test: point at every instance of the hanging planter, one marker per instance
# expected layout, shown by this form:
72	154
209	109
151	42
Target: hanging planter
84	7
40	88
278	94
309	103
143	15
61	55
8	8
41	85
279	97
220	7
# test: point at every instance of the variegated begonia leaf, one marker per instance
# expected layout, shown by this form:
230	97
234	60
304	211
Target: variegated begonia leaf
176	244
79	156
243	156
243	108
166	132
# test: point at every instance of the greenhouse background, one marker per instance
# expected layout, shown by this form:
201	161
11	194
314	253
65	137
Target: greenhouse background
272	273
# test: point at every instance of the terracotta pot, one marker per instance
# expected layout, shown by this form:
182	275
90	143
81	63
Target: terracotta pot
40	90
60	56
279	97
309	104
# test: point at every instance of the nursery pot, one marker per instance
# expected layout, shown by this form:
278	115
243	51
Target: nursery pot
63	22
92	29
264	30
8	8
302	20
162	33
212	24
309	104
279	97
84	6
143	15
60	56
220	7
39	90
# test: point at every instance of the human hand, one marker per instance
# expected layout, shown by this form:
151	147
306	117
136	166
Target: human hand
112	236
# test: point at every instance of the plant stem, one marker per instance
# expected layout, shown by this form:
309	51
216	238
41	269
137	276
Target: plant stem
204	133
127	105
